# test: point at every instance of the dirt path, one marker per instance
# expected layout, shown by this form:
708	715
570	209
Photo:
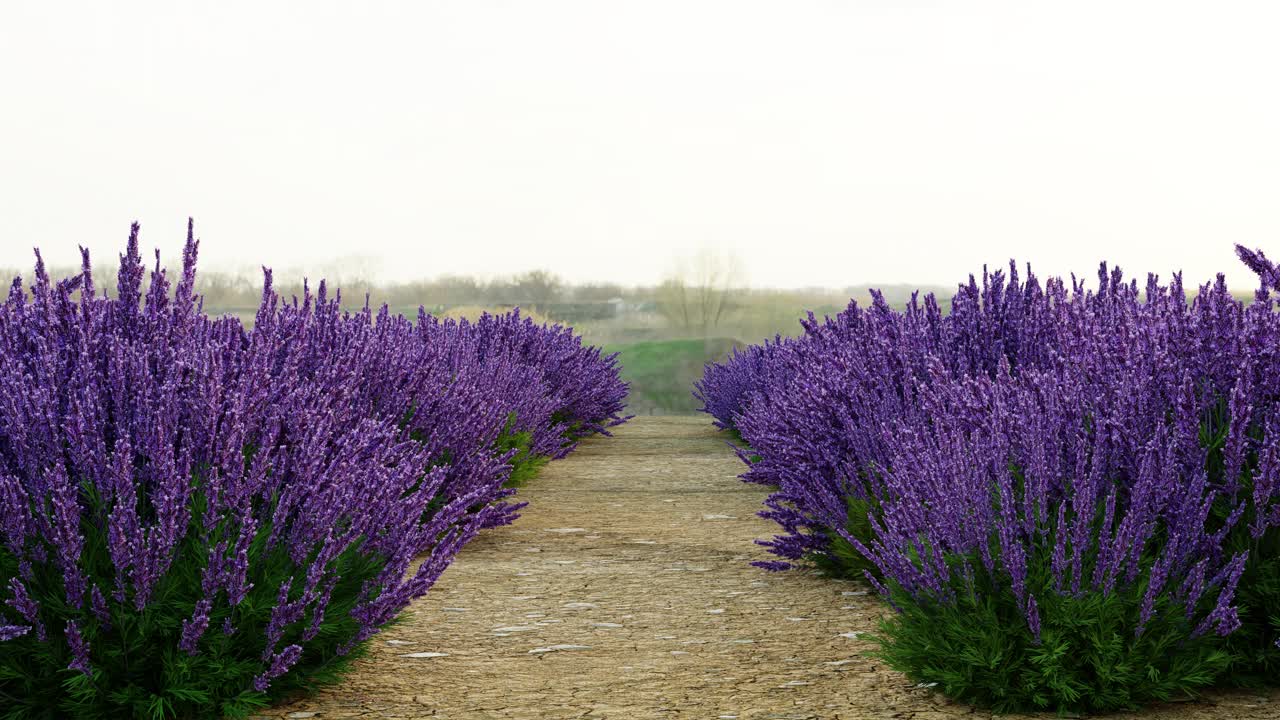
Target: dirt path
625	592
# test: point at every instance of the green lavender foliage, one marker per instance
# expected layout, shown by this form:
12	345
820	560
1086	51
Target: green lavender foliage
525	464
841	558
1088	658
1254	650
1255	645
138	670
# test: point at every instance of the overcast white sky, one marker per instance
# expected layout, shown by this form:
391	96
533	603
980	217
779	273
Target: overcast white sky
830	142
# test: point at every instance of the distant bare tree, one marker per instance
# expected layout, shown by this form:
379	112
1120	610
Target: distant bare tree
698	293
537	287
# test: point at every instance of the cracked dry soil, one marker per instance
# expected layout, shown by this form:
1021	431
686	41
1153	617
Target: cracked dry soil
624	591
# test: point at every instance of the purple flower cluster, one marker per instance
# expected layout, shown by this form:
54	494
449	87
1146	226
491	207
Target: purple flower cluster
557	388
139	423
1121	432
724	387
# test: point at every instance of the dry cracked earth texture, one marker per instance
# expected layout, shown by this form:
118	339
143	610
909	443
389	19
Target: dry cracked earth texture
625	591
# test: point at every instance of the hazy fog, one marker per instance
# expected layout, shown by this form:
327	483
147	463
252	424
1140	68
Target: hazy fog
831	143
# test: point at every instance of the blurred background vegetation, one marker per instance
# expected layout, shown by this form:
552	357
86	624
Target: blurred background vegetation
664	334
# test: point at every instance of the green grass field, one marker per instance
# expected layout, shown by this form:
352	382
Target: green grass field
662	372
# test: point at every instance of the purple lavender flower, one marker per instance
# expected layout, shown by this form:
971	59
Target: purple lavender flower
79	649
280	664
1257	261
194	627
98	605
26	606
1033	618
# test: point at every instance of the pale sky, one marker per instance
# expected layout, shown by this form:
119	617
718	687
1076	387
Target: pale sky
829	142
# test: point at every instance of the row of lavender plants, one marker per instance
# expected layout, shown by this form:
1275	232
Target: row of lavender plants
198	517
1069	496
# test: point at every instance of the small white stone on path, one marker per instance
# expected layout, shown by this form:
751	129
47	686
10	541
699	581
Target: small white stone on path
565	531
557	648
719	517
301	715
664	637
606	625
580	606
796	683
717	611
797	619
679	652
759	583
533	549
514	628
399	642
524	597
853	593
644	542
743	642
425	655
534	615
851	635
838	662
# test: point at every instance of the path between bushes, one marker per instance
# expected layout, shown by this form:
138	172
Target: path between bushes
624	591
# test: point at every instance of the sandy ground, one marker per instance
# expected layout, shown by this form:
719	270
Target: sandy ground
625	591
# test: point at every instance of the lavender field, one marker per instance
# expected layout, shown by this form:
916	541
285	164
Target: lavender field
639	360
1050	497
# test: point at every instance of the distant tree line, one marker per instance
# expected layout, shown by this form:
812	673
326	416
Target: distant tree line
702	295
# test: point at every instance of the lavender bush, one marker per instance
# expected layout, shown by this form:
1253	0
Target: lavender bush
1068	494
197	517
724	387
